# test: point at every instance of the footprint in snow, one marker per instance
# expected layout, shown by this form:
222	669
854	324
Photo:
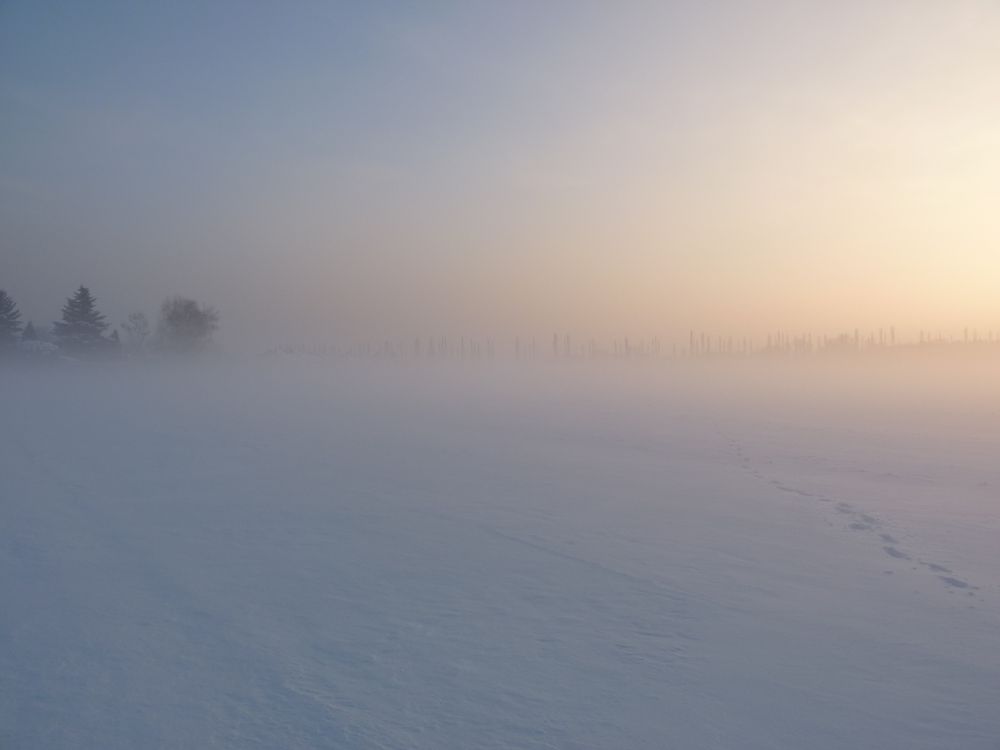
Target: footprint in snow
935	567
865	522
955	583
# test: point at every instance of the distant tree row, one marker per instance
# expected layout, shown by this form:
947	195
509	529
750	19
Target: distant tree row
184	327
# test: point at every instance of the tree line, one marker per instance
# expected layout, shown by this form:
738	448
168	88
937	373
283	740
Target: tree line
184	326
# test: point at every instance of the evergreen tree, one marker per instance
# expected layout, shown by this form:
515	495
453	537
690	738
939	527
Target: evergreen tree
81	325
29	333
10	321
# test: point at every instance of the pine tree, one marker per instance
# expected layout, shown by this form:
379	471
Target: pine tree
29	333
81	325
10	321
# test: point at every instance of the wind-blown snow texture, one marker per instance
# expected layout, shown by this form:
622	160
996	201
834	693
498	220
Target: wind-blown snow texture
289	555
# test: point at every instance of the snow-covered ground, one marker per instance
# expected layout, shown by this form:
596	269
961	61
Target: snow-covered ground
292	554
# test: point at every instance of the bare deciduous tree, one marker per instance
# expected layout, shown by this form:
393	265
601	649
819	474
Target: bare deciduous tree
186	326
137	329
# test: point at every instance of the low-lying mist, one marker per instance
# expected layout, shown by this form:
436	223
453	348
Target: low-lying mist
422	554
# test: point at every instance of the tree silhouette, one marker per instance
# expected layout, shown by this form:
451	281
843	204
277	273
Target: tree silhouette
137	329
82	326
185	326
10	321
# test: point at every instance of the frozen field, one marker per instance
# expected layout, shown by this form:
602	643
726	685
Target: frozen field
310	555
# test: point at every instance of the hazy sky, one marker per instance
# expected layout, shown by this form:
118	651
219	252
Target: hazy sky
323	170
